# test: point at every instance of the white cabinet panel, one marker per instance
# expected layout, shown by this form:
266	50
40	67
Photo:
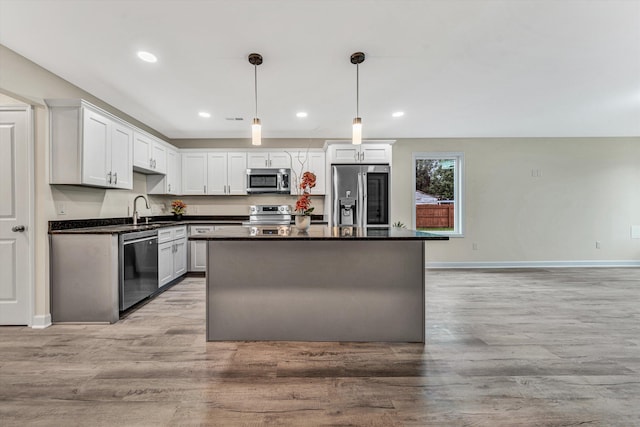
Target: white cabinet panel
149	153
214	172
279	160
172	253
344	153
194	173
217	173
180	257
97	151
376	153
312	161
171	182
159	156
197	253
142	144
268	159
89	146
121	156
258	160
365	153
237	173
165	263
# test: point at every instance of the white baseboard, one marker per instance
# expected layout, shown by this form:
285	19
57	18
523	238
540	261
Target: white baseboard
41	321
534	264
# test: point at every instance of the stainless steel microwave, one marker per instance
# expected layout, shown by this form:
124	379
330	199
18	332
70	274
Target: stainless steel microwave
268	181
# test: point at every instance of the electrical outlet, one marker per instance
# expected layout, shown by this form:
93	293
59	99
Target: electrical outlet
597	244
194	210
62	209
474	246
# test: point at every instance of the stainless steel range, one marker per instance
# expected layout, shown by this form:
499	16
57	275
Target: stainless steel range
265	220
269	215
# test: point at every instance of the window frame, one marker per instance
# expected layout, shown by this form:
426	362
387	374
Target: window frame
458	190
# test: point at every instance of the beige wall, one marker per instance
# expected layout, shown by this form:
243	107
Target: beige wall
588	191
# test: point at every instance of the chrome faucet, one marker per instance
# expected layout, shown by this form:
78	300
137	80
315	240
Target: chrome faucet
136	215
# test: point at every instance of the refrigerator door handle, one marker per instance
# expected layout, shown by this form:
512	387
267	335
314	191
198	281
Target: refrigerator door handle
364	199
360	204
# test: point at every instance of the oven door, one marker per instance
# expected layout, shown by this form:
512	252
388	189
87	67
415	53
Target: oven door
138	270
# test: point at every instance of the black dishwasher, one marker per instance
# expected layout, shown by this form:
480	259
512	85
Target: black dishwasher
138	267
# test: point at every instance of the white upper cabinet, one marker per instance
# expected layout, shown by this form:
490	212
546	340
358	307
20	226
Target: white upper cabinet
171	182
365	153
237	172
214	173
227	173
121	155
149	154
217	173
89	146
194	173
268	159
312	161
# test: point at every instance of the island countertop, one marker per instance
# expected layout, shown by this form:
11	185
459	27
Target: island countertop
317	232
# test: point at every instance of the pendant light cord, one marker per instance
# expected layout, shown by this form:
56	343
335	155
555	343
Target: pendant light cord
357	90
255	69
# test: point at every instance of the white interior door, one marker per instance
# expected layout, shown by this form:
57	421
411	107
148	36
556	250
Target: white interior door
16	233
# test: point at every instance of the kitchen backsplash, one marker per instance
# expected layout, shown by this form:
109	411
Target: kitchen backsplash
77	202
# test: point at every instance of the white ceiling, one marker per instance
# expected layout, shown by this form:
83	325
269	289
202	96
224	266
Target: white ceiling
482	68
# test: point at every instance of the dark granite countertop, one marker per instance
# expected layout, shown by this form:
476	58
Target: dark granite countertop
318	232
125	225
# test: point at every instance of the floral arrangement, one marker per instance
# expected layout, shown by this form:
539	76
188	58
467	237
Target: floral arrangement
303	204
178	207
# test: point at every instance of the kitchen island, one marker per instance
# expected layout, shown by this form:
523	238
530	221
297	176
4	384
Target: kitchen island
327	284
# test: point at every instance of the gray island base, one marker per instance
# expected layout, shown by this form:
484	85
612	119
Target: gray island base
367	285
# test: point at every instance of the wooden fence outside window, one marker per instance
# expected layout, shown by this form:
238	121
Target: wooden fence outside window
435	216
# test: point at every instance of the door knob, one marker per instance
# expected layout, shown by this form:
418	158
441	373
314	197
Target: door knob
18	228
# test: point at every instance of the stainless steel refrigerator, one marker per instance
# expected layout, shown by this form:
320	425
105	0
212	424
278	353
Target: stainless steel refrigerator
360	195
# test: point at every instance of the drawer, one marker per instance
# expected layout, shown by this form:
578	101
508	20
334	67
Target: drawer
200	229
168	234
180	232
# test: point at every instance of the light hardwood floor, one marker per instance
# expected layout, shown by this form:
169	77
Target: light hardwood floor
543	347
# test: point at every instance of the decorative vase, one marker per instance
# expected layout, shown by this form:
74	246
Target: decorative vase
303	222
177	217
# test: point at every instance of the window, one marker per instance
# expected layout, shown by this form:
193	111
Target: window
437	184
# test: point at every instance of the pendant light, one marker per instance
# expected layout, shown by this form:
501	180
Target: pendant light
357	59
255	59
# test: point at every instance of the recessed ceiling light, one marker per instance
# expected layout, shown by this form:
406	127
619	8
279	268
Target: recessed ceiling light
147	56
301	114
204	114
398	114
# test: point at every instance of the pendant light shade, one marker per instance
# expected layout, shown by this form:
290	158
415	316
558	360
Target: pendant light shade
357	59
255	59
357	131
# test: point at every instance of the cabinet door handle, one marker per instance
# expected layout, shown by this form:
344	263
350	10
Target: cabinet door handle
205	189
109	177
169	187
18	229
115	178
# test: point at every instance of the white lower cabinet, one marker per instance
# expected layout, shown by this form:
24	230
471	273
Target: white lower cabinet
172	253
198	248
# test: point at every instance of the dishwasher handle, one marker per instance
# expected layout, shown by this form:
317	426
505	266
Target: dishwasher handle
143	239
